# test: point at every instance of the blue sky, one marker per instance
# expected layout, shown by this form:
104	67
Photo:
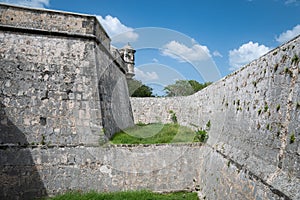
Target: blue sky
190	39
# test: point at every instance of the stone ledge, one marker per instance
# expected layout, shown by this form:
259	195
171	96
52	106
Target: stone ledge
29	146
49	20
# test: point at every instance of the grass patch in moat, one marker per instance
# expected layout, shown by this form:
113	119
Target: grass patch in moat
130	195
155	134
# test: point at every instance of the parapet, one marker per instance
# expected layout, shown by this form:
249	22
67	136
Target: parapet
52	23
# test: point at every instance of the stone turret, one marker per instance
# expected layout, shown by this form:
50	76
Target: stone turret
127	53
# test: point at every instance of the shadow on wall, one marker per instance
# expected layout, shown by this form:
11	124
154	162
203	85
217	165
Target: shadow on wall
19	178
114	100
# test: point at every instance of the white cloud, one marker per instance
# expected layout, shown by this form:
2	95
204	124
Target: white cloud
245	54
116	30
145	76
296	2
193	41
29	3
289	1
183	53
289	34
155	60
217	54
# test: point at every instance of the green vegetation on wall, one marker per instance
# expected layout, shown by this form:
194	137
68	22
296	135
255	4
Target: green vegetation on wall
173	116
292	138
201	136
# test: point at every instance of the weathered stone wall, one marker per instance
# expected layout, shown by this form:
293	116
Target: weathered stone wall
254	114
49	89
50	84
59	87
114	95
159	168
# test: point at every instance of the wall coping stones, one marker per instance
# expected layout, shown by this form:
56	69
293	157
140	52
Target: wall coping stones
53	21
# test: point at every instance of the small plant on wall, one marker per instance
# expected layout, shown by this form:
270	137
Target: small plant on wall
173	116
201	136
295	60
208	125
278	108
292	138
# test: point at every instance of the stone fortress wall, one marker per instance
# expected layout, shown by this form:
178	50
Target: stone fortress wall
58	79
254	115
62	93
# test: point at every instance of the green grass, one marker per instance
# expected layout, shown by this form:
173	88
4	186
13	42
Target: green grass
154	134
129	195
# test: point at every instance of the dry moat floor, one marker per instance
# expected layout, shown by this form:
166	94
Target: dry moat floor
158	133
